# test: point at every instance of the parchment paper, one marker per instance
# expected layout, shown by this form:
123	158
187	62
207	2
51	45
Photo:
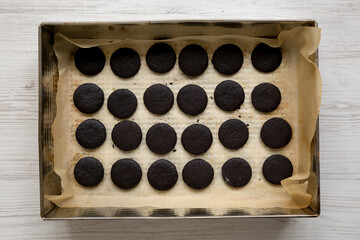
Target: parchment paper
297	78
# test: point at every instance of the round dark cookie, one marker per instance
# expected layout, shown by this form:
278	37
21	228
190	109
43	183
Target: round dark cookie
125	62
196	139
265	97
122	103
126	173
88	172
90	134
161	57
193	60
276	168
228	59
265	58
158	99
126	135
161	138
236	172
233	134
162	175
192	99
88	98
276	133
89	61
198	174
229	95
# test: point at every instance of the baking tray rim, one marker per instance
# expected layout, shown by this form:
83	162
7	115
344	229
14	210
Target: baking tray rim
43	26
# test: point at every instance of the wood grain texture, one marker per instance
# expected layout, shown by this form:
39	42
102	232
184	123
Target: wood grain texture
339	119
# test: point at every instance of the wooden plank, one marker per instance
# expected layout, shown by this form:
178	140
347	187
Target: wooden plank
339	119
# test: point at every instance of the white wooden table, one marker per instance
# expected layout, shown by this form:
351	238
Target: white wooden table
339	119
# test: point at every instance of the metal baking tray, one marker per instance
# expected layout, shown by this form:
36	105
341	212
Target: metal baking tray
50	183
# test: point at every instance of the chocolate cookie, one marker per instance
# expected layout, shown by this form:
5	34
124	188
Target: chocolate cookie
88	172
158	99
233	134
236	172
229	95
265	97
88	98
122	103
126	173
161	138
277	168
125	62
276	133
160	58
198	174
265	58
228	59
162	175
196	139
89	61
126	135
192	99
91	133
193	60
